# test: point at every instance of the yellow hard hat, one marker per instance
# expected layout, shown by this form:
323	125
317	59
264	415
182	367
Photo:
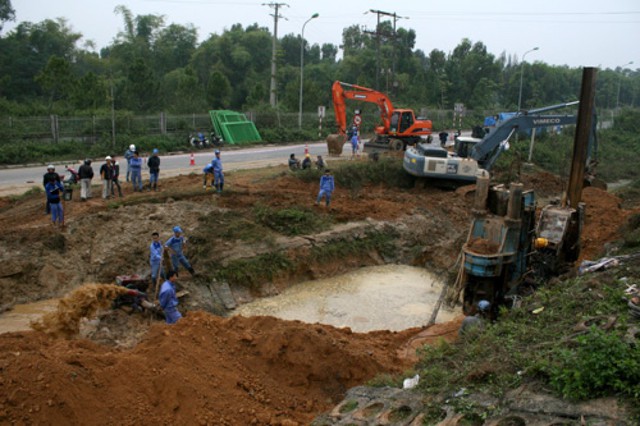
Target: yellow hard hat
540	243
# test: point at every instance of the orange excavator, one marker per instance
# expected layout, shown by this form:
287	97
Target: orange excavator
399	127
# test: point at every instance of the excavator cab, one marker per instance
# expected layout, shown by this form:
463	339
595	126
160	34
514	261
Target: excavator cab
464	144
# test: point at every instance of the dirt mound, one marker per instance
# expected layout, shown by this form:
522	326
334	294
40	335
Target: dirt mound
604	218
203	370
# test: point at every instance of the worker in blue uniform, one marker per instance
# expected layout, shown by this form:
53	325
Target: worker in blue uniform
169	299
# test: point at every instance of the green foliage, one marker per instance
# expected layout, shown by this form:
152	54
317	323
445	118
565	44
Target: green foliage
292	221
387	171
523	347
373	241
254	271
34	152
601	364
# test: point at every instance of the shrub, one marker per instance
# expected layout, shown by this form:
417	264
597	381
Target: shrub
601	363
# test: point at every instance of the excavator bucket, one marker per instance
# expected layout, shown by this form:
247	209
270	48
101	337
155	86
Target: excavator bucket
335	142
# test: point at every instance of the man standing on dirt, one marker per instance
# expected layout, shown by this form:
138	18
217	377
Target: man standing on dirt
155	257
115	177
176	245
85	173
53	189
51	173
128	155
154	170
135	166
326	188
169	300
218	174
106	173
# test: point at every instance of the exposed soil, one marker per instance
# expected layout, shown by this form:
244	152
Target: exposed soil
132	369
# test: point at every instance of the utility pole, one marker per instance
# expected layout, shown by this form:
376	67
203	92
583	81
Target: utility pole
276	15
377	33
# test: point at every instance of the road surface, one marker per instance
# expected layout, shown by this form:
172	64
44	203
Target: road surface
16	180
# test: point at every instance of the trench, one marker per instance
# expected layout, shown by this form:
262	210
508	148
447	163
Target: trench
388	297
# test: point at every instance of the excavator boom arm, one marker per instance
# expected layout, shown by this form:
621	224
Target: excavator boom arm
361	94
487	151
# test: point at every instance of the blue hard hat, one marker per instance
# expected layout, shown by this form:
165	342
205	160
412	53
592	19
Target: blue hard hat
155	150
177	229
217	151
484	305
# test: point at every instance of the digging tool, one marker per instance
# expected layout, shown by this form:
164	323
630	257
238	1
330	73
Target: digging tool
165	260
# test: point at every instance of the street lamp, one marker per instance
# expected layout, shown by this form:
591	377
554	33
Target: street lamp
521	74
620	83
315	15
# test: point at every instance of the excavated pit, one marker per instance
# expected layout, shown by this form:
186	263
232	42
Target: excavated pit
209	369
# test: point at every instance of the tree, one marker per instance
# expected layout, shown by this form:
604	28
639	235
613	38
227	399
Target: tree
142	88
173	48
89	92
6	12
218	91
56	79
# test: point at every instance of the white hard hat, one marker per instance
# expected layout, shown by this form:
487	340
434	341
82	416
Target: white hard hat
108	157
132	147
50	166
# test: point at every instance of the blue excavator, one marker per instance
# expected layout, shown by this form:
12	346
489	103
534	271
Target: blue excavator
472	156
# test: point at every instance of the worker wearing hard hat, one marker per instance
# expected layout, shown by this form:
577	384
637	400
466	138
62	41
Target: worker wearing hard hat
176	245
218	173
476	321
128	155
51	173
306	163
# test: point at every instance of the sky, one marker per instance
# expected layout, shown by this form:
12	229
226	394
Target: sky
576	33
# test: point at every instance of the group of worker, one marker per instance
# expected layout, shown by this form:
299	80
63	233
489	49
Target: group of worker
175	246
109	175
327	184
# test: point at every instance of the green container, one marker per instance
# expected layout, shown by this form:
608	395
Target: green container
234	127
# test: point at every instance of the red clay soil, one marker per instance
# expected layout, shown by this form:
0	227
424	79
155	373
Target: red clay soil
203	370
237	371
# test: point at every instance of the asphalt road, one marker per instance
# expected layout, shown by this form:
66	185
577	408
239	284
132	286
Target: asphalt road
15	180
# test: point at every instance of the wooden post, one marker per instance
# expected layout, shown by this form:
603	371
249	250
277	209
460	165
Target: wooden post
581	141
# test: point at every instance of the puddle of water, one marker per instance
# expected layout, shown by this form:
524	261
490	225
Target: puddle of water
20	316
389	297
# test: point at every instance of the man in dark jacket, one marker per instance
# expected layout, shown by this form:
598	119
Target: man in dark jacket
154	170
115	177
51	173
85	173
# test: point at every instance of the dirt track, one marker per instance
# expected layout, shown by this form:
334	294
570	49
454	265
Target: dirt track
208	369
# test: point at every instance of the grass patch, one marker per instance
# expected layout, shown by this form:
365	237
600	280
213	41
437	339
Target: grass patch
255	271
291	221
354	175
546	348
381	242
34	190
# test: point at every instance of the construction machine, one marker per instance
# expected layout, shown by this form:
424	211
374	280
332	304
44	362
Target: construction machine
504	244
399	127
473	155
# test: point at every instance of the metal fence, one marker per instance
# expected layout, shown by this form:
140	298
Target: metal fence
56	128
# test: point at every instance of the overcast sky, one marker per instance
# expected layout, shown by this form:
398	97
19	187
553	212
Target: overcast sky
577	33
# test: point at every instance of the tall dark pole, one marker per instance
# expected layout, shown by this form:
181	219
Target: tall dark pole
276	15
581	141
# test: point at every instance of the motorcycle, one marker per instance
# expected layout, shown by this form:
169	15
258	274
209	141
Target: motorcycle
73	176
199	141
